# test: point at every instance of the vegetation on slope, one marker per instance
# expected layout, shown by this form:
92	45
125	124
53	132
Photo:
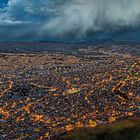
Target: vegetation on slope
123	130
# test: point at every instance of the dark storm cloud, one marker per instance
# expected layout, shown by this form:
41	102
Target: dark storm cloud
19	32
41	19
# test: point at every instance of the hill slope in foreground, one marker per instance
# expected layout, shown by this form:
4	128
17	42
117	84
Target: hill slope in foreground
123	130
44	94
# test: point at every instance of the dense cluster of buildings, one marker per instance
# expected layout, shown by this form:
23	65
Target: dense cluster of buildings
44	95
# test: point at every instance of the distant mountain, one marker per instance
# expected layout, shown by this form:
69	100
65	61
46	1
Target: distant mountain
126	36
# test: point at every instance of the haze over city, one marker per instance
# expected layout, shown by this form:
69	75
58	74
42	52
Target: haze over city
69	20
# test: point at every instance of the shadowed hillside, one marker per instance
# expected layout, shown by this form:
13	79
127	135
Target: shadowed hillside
123	130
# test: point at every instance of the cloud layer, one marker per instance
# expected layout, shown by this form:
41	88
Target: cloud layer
44	19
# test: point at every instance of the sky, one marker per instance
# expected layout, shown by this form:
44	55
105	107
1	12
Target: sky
40	20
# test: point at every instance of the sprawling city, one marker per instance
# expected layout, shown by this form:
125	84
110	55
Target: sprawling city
44	95
69	69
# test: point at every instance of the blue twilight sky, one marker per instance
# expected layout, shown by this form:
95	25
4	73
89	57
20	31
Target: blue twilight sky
34	20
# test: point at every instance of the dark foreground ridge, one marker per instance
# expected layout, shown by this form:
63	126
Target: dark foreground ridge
123	130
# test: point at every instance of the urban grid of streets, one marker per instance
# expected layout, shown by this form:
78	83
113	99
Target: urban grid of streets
44	95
